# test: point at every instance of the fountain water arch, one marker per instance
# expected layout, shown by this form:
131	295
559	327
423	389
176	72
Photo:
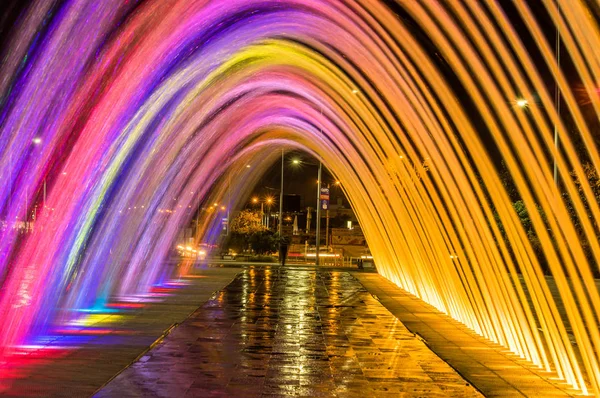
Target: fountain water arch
129	112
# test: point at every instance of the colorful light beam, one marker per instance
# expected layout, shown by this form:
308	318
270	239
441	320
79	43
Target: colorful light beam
118	116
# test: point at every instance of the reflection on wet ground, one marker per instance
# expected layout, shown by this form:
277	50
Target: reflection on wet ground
76	358
285	332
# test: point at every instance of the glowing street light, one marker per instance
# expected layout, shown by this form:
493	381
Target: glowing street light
269	200
522	103
318	208
38	141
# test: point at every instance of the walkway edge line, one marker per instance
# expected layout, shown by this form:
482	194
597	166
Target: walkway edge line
160	338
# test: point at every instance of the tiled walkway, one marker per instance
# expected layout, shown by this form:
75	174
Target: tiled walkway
77	360
284	332
491	368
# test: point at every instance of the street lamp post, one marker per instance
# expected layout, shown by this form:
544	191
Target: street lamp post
281	197
269	202
327	227
523	104
262	213
265	217
318	212
556	100
38	141
228	202
318	235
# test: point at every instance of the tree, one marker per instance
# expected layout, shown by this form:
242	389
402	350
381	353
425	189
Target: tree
263	242
247	231
592	178
247	223
591	175
508	183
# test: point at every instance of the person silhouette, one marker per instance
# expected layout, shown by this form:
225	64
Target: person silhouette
283	250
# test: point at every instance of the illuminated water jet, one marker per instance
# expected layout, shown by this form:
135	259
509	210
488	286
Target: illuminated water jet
122	127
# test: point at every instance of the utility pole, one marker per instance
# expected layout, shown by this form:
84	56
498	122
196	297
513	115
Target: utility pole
228	202
26	211
318	214
557	99
281	197
327	226
10	182
318	232
198	224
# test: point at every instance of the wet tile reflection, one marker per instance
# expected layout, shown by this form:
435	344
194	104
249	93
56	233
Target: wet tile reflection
290	333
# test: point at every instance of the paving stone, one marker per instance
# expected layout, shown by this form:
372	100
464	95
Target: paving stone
286	332
85	367
490	367
325	336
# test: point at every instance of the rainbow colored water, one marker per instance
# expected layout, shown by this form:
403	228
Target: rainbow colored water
118	115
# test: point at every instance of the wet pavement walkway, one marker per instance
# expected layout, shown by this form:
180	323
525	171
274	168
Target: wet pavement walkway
493	369
79	358
290	332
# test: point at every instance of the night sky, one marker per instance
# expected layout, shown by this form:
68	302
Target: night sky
299	180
